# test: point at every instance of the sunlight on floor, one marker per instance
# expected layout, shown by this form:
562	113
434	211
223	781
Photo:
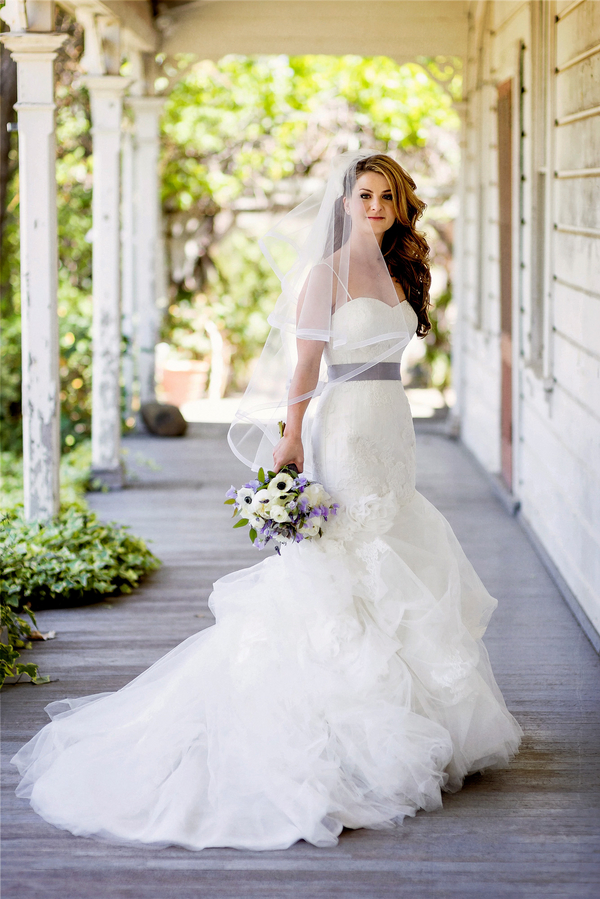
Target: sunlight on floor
424	403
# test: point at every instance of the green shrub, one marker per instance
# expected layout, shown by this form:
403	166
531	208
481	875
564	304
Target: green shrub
74	558
69	559
17	632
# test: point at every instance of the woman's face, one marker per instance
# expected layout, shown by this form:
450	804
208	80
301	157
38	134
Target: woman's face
372	197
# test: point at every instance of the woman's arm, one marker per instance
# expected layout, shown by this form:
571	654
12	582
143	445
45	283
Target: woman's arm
306	375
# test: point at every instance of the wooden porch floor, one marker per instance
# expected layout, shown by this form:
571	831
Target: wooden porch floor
530	831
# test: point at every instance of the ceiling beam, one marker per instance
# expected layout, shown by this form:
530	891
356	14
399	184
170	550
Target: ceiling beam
400	29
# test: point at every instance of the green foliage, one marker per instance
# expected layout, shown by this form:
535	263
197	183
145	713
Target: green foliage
239	139
18	630
69	559
74	558
437	344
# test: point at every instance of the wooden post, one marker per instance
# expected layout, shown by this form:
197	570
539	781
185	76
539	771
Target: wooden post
147	231
34	54
128	277
106	94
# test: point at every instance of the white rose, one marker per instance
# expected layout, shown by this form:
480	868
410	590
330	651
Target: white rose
311	531
316	494
313	526
260	503
256	522
278	513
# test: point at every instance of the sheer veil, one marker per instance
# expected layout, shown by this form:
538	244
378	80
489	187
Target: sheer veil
325	257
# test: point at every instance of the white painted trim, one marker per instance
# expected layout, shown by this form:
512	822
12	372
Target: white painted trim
573	229
513	14
590	293
591	51
578	116
577	173
568	9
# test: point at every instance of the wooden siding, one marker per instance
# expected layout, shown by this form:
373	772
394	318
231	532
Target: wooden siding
556	284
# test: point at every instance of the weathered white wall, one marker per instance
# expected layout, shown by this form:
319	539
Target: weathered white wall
556	271
402	29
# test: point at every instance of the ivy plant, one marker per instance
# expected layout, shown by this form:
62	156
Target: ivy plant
69	559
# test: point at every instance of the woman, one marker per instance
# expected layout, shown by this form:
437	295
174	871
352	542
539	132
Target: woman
344	683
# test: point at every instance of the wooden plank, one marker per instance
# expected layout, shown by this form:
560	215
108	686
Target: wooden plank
576	260
529	831
578	34
577	90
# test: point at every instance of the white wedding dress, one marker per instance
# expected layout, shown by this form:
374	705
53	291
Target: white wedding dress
344	683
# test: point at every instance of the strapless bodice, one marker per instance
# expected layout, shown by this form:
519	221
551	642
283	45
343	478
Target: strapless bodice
359	319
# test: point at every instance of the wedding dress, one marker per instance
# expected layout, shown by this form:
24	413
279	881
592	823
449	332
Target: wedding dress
344	684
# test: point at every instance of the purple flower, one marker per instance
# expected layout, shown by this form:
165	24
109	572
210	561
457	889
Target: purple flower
231	493
252	485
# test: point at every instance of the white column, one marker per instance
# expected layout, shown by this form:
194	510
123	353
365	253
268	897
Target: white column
148	233
459	283
127	275
106	94
34	54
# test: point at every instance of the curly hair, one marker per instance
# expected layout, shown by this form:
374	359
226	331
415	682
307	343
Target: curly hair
404	248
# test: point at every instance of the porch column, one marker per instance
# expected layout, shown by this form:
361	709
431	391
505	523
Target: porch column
459	282
148	234
127	277
106	95
34	54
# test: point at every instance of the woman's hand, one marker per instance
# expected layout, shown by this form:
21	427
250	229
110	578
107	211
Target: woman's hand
289	450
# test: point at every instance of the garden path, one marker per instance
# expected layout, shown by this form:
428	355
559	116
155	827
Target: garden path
529	831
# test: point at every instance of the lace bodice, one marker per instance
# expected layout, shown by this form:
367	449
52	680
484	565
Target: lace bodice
357	319
363	435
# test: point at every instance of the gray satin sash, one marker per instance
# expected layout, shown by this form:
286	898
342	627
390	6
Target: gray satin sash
381	371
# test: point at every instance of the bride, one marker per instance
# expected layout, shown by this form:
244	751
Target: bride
344	683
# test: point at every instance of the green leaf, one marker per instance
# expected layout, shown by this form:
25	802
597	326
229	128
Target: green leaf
241	523
252	534
229	502
261	475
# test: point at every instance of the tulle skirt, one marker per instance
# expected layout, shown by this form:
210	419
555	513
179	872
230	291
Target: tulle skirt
344	685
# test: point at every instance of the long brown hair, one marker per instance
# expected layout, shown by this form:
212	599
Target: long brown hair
404	248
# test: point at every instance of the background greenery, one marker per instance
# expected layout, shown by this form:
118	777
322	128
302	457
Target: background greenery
244	137
240	141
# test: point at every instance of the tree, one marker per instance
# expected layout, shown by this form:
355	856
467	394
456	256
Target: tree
243	138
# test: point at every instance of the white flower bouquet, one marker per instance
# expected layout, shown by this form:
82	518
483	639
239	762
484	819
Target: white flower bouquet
285	507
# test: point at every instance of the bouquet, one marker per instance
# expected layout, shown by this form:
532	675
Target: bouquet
285	507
